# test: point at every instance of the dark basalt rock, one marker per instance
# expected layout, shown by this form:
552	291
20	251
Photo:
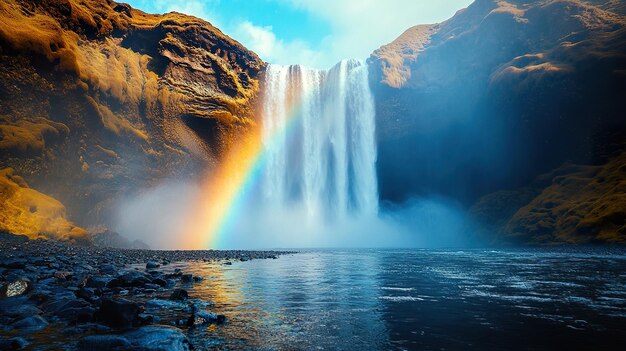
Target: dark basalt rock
152	265
15	263
160	282
179	295
97	282
30	323
108	269
17	307
158	338
13	344
120	314
77	314
203	317
86	293
130	279
12	237
58	304
16	287
63	276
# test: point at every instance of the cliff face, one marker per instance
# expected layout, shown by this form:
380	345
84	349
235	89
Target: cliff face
501	93
577	204
99	100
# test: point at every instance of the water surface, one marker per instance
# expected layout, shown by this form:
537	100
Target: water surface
416	299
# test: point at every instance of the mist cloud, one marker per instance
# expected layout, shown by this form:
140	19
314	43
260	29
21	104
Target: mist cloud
156	215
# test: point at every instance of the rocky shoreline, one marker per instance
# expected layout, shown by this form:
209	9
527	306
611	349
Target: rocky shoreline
56	295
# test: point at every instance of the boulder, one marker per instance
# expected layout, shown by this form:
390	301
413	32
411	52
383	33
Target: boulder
179	294
108	269
164	304
14	263
160	282
13	344
58	305
31	323
157	338
204	317
120	313
16	288
132	279
77	314
18	307
62	276
152	265
97	282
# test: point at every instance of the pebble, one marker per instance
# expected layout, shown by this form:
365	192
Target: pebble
152	265
77	291
179	294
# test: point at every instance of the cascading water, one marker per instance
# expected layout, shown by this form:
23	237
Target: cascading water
319	139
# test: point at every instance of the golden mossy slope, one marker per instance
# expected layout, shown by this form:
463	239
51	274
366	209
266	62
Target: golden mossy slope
573	204
26	211
99	100
395	58
424	55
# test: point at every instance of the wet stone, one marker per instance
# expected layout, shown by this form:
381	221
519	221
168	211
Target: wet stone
17	308
119	313
15	263
158	338
203	317
108	269
13	344
62	276
30	323
97	282
179	295
160	282
16	288
152	265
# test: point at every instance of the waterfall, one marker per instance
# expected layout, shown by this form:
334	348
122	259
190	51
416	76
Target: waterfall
319	140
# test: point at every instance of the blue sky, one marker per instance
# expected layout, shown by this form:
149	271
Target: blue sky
316	33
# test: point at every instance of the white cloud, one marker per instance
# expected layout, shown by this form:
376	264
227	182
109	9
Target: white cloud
264	42
361	26
197	8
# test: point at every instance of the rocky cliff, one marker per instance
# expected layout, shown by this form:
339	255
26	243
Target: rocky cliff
98	100
517	109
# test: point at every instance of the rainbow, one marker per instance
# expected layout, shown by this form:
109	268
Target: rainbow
227	189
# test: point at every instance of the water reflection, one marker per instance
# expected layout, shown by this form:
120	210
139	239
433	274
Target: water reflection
415	299
318	300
